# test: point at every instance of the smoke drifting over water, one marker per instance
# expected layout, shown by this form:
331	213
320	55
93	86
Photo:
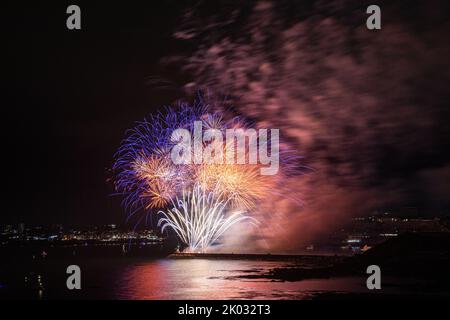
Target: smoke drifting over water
367	109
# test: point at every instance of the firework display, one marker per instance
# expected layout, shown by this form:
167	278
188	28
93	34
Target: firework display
199	218
199	201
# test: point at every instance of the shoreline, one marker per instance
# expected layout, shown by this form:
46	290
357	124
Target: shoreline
257	256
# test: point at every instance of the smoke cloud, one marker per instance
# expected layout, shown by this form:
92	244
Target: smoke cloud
367	110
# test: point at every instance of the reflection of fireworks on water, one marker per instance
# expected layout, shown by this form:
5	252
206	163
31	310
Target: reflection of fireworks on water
213	196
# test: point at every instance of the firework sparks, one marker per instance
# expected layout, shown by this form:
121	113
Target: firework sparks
199	202
199	218
241	184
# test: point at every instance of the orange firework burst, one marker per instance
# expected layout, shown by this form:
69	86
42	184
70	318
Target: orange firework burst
199	200
159	176
159	194
242	184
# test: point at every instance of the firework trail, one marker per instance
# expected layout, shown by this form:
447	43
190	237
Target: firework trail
199	202
199	218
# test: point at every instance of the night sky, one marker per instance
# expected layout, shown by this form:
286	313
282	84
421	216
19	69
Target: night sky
75	93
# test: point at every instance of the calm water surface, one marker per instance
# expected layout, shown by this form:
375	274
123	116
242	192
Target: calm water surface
219	279
141	278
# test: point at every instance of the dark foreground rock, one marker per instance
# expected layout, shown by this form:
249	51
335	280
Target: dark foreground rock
423	256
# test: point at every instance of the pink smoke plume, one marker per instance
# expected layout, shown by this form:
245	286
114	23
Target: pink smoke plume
350	99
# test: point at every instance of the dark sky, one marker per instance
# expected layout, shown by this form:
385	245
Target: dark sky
74	93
